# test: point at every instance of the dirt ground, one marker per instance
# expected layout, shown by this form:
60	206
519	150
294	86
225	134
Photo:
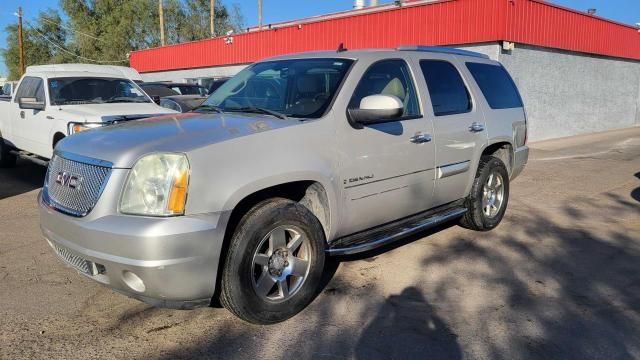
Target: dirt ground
559	278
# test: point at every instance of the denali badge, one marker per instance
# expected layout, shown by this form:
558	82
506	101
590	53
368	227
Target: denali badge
68	180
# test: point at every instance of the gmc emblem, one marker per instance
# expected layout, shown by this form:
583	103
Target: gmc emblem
68	180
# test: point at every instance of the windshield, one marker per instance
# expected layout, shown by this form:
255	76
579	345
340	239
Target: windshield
78	90
189	90
296	88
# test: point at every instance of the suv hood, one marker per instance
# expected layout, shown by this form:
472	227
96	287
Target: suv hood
109	112
123	144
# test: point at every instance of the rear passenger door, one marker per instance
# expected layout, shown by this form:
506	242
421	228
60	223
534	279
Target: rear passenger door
459	127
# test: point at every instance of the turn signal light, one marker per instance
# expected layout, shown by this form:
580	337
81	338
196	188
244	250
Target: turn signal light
178	195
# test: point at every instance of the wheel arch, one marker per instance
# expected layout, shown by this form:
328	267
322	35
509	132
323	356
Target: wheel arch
56	139
503	150
313	194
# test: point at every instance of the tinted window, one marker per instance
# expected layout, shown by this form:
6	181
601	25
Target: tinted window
496	85
389	77
76	91
298	88
31	87
448	93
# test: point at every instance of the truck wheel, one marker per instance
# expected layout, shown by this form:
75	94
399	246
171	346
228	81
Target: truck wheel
274	264
489	195
6	159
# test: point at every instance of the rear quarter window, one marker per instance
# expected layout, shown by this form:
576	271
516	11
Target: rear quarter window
496	85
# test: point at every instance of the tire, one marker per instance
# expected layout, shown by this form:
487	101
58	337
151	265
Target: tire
256	262
7	160
477	217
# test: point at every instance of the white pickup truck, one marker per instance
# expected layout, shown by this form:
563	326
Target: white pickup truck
52	102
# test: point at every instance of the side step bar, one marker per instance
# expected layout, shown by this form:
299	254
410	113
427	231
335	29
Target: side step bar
31	157
388	233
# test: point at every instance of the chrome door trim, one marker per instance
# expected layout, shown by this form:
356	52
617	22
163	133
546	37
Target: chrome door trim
452	169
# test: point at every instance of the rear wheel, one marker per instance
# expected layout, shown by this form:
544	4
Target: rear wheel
274	263
6	158
489	195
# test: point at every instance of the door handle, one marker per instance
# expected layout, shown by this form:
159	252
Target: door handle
22	114
476	127
420	138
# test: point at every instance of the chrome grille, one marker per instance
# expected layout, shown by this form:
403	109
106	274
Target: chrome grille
74	260
74	187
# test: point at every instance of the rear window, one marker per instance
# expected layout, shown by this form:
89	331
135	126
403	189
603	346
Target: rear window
496	85
448	93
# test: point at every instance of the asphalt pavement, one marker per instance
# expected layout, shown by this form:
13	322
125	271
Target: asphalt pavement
558	279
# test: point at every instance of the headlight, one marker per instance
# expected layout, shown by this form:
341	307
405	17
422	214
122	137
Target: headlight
157	186
74	127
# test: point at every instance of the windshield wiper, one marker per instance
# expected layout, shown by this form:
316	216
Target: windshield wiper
259	110
206	108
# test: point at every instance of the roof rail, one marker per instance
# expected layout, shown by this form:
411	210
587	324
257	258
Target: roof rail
442	50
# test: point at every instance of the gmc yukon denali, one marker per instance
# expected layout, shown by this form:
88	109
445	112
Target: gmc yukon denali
294	159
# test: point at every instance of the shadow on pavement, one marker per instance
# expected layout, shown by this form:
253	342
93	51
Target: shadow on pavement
571	292
407	327
635	194
22	178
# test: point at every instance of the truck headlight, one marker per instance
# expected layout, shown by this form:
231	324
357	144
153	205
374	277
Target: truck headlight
157	186
74	127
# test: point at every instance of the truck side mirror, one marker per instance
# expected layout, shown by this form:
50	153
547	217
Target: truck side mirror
376	109
30	103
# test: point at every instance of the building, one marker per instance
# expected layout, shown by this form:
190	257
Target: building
577	72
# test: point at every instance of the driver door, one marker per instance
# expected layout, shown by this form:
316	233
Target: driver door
387	175
32	126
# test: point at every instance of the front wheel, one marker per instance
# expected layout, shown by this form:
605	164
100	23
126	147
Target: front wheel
274	264
487	202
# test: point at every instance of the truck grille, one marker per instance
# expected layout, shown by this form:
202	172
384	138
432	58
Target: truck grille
80	264
74	187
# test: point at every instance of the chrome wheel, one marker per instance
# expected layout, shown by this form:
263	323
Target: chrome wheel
493	195
281	263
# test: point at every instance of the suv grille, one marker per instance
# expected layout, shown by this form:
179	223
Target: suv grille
74	187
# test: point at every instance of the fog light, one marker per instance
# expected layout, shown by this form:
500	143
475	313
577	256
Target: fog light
133	281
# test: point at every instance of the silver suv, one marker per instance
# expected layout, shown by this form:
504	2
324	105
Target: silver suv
295	159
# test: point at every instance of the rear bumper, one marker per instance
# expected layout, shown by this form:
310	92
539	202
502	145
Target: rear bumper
166	262
520	158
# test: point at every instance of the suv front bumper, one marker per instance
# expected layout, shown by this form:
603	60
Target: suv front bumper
166	262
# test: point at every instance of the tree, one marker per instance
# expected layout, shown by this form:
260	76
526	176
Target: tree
39	39
105	31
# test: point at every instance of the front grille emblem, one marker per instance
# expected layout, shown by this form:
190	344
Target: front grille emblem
68	180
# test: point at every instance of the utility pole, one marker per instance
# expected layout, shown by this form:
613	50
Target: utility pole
20	43
161	11
212	18
259	14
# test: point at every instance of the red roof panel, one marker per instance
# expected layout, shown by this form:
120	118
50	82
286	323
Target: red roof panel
444	22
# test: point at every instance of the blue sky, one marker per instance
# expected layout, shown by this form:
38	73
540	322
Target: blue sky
627	11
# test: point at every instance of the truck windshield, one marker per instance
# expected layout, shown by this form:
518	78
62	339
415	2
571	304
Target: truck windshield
302	88
79	90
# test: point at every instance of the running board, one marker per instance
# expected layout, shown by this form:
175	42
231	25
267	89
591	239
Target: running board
388	233
31	157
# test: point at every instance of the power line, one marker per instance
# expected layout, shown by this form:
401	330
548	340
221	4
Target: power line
60	47
71	29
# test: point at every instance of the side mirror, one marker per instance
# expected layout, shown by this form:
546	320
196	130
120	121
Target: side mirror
376	109
30	103
156	99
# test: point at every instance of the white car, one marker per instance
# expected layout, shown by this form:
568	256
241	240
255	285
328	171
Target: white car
52	102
